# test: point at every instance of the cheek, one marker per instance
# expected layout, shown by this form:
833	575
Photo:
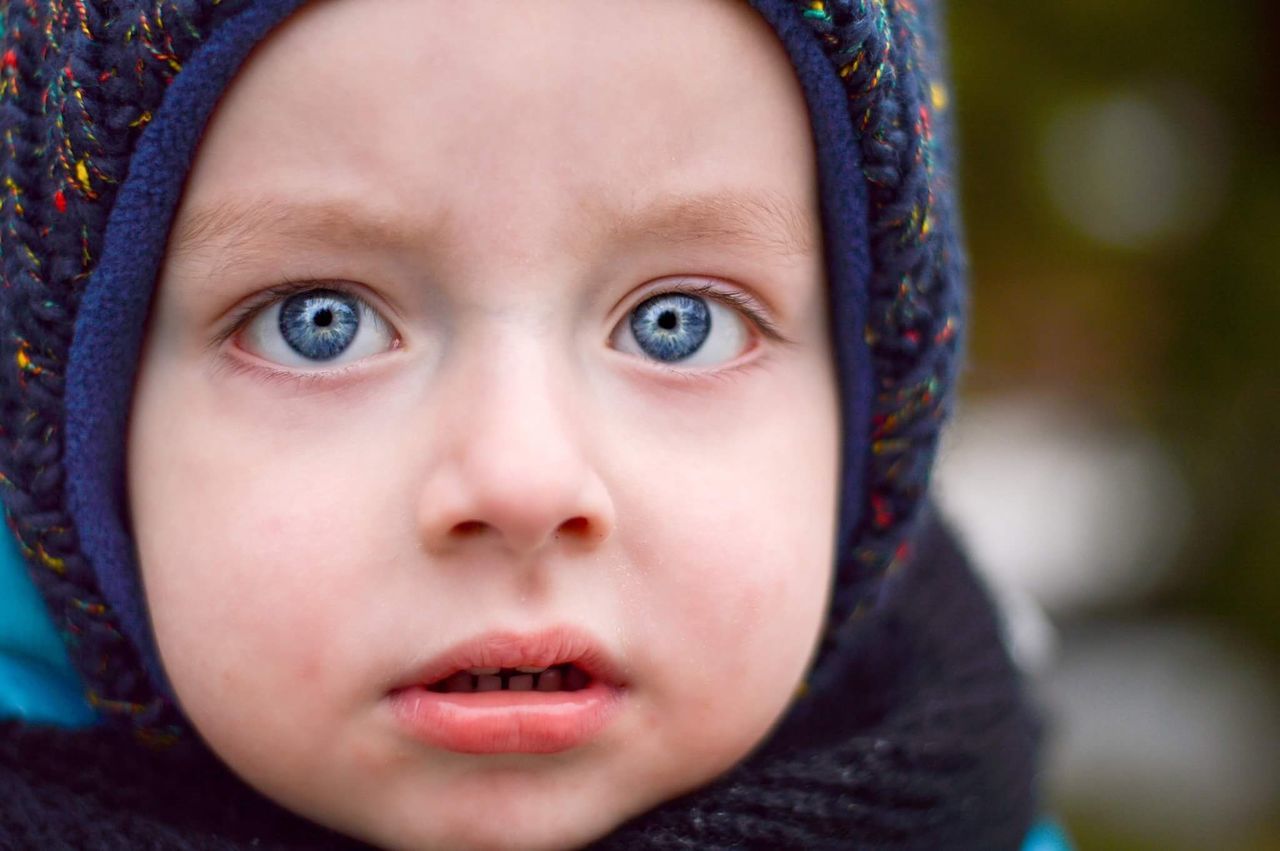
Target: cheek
752	607
738	562
750	519
248	581
739	624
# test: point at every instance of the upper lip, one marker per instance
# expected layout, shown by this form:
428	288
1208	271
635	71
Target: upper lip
507	649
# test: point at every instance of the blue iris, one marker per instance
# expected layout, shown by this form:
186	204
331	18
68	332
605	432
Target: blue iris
319	324
672	326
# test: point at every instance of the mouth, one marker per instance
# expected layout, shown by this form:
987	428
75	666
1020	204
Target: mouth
512	693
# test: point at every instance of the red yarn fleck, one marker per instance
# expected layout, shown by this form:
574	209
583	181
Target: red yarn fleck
60	201
10	59
883	516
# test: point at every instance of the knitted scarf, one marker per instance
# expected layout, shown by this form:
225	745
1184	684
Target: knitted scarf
912	734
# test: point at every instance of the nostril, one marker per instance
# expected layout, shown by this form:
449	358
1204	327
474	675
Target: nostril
469	528
576	525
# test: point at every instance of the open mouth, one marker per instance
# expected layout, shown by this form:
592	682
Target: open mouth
566	677
507	692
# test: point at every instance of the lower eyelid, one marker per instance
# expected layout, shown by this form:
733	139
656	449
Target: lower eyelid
316	380
697	379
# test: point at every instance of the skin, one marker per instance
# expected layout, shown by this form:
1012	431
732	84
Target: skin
503	190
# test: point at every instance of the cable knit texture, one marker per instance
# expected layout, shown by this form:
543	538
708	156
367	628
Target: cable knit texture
927	744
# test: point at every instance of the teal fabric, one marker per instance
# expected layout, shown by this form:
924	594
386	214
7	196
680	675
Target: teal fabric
37	682
1046	836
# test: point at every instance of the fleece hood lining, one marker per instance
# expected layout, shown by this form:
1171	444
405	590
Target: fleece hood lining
111	321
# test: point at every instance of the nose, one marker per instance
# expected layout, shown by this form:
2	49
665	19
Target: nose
515	466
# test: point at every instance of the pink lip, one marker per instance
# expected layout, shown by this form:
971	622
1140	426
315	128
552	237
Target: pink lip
512	721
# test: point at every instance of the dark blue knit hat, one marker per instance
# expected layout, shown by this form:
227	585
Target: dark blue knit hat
102	105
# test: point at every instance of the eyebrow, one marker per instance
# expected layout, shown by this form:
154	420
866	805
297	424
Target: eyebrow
762	219
769	221
238	222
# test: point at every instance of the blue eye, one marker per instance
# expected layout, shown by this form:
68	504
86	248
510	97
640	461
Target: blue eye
318	327
672	326
683	329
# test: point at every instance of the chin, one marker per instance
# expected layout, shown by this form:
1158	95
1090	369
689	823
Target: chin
550	832
491	820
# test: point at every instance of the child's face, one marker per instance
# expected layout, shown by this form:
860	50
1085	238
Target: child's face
474	432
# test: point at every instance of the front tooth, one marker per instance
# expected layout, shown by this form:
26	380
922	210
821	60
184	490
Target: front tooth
549	680
531	669
486	682
480	672
520	682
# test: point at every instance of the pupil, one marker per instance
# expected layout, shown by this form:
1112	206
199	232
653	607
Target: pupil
323	317
667	320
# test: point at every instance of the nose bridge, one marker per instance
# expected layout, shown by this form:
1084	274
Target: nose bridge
517	402
520	470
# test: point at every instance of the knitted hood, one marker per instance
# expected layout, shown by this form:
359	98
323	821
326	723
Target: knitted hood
102	105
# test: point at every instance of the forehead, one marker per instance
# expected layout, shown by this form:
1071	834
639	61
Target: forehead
411	116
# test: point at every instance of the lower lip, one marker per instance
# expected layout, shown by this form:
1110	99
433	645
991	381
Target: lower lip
495	722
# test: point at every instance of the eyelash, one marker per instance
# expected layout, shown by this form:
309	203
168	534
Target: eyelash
270	296
301	379
743	302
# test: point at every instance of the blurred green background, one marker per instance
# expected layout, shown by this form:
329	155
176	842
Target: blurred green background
1120	171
